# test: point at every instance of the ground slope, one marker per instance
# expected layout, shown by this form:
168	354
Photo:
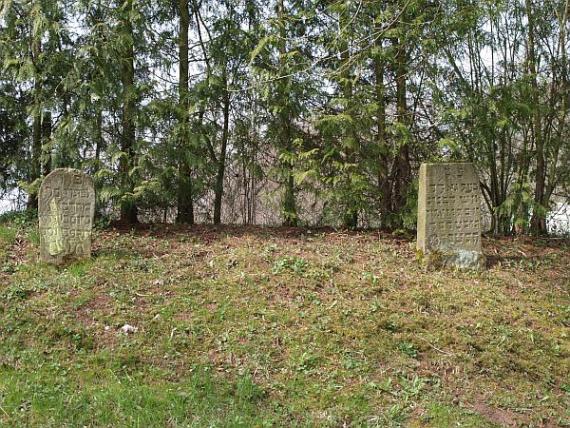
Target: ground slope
281	327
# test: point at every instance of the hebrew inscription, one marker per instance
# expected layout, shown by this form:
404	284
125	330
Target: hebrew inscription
66	210
449	224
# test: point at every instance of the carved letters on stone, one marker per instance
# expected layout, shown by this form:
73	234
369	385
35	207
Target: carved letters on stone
66	210
449	224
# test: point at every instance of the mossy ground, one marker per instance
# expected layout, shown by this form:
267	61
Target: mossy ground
281	327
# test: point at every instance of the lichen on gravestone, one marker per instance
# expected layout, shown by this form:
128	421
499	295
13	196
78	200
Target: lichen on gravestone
66	209
449	223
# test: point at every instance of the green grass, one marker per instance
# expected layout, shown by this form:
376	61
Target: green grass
8	234
271	327
7	237
54	396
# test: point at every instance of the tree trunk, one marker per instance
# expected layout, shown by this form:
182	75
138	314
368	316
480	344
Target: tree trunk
99	142
538	220
36	162
185	201
289	206
350	215
219	187
35	172
384	182
46	137
99	147
402	167
129	209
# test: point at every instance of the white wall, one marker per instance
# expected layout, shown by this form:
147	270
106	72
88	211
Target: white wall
559	219
10	202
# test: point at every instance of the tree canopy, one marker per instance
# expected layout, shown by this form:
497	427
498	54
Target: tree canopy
299	112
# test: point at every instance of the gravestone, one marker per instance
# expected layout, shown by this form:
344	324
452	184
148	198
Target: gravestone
66	210
449	223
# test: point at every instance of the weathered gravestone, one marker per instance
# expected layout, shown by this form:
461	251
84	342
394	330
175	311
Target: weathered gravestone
66	209
449	223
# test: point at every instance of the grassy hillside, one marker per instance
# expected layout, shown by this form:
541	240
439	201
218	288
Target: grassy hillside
281	327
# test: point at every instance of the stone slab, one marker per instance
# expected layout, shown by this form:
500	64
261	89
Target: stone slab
449	219
66	210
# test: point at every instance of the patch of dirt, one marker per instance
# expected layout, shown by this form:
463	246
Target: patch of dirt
502	417
208	233
523	249
184	316
85	313
106	338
